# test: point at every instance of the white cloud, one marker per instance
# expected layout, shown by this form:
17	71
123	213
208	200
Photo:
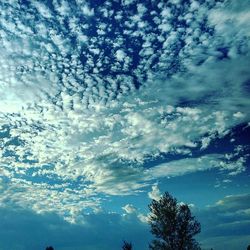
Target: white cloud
42	9
189	165
129	208
133	211
87	11
143	218
155	194
120	55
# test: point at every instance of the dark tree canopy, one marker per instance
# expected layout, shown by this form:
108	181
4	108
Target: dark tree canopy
126	246
248	248
173	225
49	248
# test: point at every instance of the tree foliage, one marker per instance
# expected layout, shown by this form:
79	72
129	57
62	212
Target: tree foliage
173	225
49	248
127	246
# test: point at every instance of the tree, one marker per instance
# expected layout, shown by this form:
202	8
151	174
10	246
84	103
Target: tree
248	247
49	248
126	246
173	225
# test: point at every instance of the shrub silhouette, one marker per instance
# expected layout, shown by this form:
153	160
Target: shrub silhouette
173	225
126	246
49	248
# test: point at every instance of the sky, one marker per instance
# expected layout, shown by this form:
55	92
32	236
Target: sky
106	105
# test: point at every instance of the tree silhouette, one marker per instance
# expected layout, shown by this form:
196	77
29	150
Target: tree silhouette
126	246
248	247
49	248
173	225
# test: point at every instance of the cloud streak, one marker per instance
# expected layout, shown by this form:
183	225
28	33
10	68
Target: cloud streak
228	219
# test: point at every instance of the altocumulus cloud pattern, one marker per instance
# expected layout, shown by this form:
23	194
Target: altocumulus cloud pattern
96	94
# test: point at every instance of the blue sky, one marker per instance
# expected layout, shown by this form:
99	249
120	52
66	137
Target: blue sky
106	105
